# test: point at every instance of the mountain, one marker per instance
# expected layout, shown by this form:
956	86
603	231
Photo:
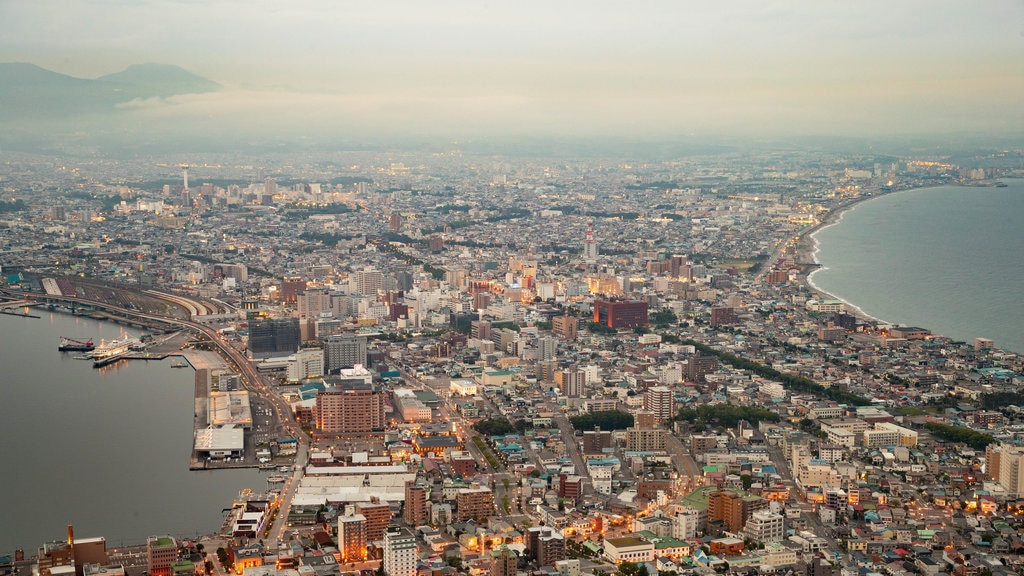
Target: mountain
28	92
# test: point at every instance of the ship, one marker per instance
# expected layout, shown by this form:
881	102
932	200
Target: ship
110	352
72	345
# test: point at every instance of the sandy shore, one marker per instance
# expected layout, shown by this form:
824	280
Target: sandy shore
807	254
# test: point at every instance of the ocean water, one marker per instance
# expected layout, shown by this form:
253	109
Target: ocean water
949	259
105	450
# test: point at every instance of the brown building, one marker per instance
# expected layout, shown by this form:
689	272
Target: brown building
161	552
349	409
378	516
594	441
698	365
565	326
474	503
417	509
464	466
546	544
733	508
505	563
723	315
620	313
352	537
570	487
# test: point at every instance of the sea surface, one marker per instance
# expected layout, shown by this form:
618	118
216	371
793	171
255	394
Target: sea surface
949	259
106	450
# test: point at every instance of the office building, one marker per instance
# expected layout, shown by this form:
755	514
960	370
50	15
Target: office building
353	408
344	351
272	336
161	552
620	313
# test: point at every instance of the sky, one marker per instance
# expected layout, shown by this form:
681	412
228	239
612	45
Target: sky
655	69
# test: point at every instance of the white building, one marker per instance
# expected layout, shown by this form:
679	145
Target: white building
765	526
628	549
399	552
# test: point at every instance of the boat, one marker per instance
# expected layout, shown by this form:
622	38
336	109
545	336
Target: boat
276	479
72	345
179	364
110	352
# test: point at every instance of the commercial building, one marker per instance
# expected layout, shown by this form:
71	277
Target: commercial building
350	409
628	549
344	351
620	313
161	552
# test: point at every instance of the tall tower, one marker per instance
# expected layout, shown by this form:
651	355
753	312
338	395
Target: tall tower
589	245
184	176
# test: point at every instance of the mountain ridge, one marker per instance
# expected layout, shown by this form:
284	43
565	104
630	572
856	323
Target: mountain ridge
29	91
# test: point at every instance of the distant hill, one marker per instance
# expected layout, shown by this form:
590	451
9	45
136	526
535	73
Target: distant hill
30	92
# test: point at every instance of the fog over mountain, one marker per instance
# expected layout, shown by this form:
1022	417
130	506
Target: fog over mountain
326	74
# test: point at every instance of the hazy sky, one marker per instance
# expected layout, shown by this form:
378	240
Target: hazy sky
634	69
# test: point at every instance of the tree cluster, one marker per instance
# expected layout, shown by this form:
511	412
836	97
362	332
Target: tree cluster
606	420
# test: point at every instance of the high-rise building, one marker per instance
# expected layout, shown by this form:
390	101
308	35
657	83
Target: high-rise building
658	400
270	336
505	563
733	508
546	348
620	313
161	552
367	282
344	351
565	326
378	517
589	244
354	408
547	545
646	439
698	365
352	537
474	503
570	382
399	552
417	509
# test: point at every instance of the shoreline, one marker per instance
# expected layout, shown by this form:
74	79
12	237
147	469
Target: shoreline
809	246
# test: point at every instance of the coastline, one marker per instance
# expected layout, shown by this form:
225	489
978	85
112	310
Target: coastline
808	248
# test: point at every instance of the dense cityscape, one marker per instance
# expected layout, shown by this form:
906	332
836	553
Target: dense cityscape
452	363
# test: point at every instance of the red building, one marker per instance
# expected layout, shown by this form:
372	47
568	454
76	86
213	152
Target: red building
620	313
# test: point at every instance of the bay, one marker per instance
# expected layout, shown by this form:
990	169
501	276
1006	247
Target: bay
948	259
106	450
